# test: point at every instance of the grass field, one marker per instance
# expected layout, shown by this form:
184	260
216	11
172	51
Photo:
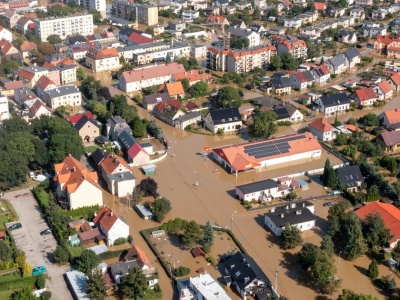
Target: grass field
5	295
75	251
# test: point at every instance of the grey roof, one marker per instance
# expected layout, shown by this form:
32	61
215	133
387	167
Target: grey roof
98	156
127	139
156	98
141	47
351	53
281	82
284	111
243	270
225	115
189	116
127	31
34	69
266	101
82	121
77	282
349	175
308	75
334	99
120	177
293	213
62	91
63	67
74	39
337	60
391	138
257	186
123	268
145	145
239	31
117	120
143	211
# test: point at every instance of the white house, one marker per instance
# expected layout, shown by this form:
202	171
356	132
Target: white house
332	104
102	59
292	23
5	34
4	112
321	75
225	120
383	90
190	15
300	214
111	225
260	190
322	129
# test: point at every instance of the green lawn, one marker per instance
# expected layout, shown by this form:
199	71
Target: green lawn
75	251
91	149
3	219
11	276
6	294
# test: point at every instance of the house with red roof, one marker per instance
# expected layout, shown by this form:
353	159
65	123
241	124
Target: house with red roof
321	75
390	215
37	110
43	85
25	25
192	76
394	81
365	97
320	7
112	226
139	39
175	90
99	60
134	152
216	19
30	75
75	119
168	111
76	186
390	119
322	129
383	90
26	48
9	87
7	49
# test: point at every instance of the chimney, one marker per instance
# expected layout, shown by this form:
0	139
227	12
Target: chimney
293	205
287	207
304	204
111	213
282	216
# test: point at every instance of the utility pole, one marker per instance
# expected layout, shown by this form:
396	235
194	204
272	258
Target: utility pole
276	279
232	220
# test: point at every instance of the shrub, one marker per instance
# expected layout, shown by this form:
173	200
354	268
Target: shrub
284	123
130	239
120	241
46	295
206	248
40	281
211	260
4	265
181	271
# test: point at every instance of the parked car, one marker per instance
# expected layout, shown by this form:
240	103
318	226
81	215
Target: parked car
40	177
32	175
46	231
328	204
39	270
15	226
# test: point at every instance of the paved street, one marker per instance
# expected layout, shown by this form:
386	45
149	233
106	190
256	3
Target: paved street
38	249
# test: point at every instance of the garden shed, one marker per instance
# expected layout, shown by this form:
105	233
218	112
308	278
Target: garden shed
149	169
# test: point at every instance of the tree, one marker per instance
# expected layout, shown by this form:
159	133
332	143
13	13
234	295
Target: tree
26	270
327	244
54	39
199	89
375	232
134	285
209	234
291	196
148	186
61	255
41	156
160	208
138	127
185	84
137	196
264	124
5	251
45	48
329	177
241	43
192	234
370	119
80	74
373	270
96	285
87	261
256	13
308	254
351	235
323	272
289	62
24	294
96	16
291	237
276	63
228	97
341	139
350	295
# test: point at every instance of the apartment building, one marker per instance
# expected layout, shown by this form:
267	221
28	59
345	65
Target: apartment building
99	5
67	73
99	60
233	34
63	95
296	47
129	51
239	61
4	112
65	26
142	14
176	51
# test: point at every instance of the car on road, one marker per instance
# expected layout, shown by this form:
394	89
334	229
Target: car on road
328	204
45	232
39	270
15	226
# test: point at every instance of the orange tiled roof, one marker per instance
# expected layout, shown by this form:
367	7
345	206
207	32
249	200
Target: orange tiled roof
193	75
102	53
175	88
396	79
106	218
72	173
111	162
321	125
385	87
386	39
389	214
28	46
320	5
393	116
216	19
365	94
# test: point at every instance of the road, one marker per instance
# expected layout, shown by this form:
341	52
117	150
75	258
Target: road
38	249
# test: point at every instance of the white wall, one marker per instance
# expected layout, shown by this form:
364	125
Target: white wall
86	195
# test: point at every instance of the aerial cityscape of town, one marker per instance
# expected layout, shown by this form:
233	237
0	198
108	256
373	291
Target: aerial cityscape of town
205	150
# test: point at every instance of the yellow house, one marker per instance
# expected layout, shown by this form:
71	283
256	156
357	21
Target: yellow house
87	128
390	141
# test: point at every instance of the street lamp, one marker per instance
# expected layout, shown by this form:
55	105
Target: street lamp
276	278
172	148
232	220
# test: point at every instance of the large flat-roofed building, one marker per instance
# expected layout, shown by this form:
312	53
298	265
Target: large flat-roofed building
63	27
143	14
99	5
269	152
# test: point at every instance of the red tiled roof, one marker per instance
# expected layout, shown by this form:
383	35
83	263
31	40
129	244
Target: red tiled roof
12	85
190	106
396	79
6	46
389	214
215	19
324	69
320	5
193	75
173	102
26	75
135	150
385	87
75	119
27	46
152	72
139	39
321	125
393	116
386	40
365	94
138	254
111	162
43	82
106	218
102	53
23	21
36	106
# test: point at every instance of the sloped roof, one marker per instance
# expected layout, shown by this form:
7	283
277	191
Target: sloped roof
43	82
155	98
135	253
320	5
225	115
174	88
23	21
389	214
75	119
102	53
216	19
392	116
365	94
139	39
111	162
391	138
155	71
396	78
12	85
36	106
106	218
284	111
193	75
82	121
385	86
321	125
349	175
28	46
334	99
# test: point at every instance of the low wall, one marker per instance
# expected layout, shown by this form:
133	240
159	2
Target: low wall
152	161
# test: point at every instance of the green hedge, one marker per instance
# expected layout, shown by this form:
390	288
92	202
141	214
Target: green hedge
18	283
86	212
41	196
112	254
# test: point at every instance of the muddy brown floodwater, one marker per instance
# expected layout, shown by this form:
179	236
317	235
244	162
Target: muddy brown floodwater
211	199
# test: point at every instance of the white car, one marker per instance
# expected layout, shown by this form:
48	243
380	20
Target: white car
40	177
32	175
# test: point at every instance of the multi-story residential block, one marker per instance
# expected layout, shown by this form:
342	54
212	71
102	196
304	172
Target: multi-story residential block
311	32
373	30
63	95
337	12
129	51
4	111
78	51
261	4
296	47
99	5
345	21
99	60
239	61
233	34
198	51
177	25
136	79
189	15
379	14
30	75
358	14
364	2
142	14
67	73
65	26
176	51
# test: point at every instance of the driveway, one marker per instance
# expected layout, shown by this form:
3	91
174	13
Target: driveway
38	249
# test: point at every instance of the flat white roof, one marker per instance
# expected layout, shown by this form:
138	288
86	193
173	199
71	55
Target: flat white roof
77	281
208	287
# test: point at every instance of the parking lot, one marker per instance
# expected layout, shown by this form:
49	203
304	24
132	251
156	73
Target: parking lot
38	248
